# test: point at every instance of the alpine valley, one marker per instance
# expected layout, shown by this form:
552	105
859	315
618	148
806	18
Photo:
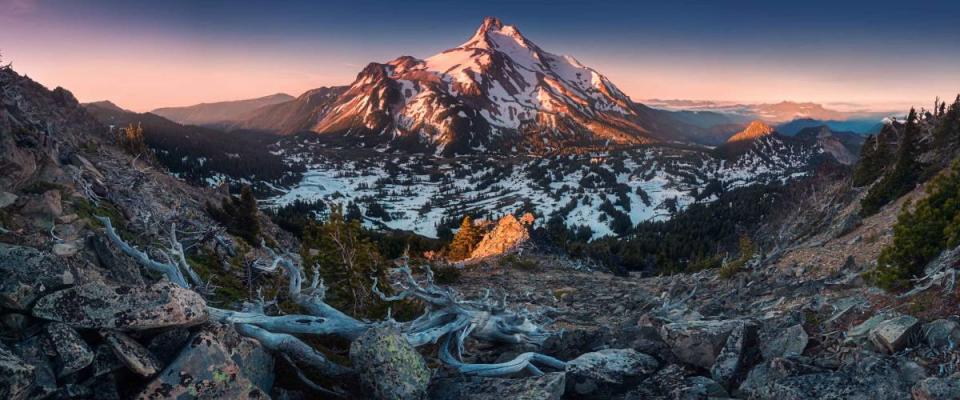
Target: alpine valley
494	126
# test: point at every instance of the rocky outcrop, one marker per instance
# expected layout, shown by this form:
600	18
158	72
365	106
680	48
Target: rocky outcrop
506	237
132	354
204	369
100	305
27	273
937	388
737	356
547	387
389	367
698	343
883	378
604	372
16	376
895	334
73	354
790	341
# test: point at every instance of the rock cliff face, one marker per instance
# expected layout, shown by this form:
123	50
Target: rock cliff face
507	236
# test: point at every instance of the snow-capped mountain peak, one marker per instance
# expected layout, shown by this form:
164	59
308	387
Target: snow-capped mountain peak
496	90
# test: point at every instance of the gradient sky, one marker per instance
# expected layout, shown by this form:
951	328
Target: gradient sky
144	55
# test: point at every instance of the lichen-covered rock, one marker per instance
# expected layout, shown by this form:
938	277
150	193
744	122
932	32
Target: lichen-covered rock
547	387
607	371
204	369
867	377
105	361
895	334
16	376
166	346
27	273
73	354
98	305
942	334
698	343
255	362
389	367
790	341
132	354
737	356
937	388
38	352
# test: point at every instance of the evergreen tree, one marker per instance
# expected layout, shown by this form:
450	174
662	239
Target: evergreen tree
921	233
347	260
874	156
905	174
239	215
464	241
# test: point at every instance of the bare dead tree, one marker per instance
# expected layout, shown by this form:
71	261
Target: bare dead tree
447	319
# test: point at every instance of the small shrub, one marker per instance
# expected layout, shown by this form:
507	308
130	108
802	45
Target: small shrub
446	274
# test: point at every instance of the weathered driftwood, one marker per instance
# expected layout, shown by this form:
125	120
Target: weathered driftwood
446	318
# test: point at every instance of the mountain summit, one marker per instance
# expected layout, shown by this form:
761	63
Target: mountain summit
756	129
498	90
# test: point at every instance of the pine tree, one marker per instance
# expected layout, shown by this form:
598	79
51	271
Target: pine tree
905	174
873	158
464	241
239	215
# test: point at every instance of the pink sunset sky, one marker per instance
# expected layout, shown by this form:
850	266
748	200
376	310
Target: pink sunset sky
157	57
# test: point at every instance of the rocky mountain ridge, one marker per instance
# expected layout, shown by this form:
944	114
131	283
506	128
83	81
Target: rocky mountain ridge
497	91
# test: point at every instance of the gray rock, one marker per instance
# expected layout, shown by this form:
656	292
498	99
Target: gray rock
698	343
166	346
44	208
6	199
105	361
862	330
868	378
896	334
942	334
790	341
98	305
27	273
73	354
38	352
937	389
547	387
204	369
16	376
132	354
13	323
119	269
65	249
389	367
738	355
703	387
607	371
255	362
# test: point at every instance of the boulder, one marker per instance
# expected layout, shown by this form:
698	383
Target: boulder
603	372
99	305
255	362
790	341
166	346
866	377
702	387
132	354
547	387
204	369
389	367
27	273
38	352
895	334
16	376
942	334
73	354
937	389
737	356
862	330
698	343
45	208
105	361
7	198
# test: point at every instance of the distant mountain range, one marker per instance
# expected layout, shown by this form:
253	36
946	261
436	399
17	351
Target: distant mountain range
219	113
